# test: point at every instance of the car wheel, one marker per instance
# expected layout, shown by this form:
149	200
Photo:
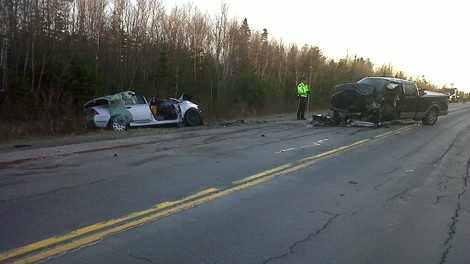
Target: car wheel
117	123
192	118
430	118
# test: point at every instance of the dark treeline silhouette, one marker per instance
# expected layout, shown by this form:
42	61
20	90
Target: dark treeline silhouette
58	54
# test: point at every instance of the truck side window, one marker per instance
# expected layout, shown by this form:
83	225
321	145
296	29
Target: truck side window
410	90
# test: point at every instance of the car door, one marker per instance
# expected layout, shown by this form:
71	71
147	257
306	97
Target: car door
139	109
410	102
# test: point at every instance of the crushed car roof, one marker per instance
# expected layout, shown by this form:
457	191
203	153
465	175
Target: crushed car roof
97	101
103	100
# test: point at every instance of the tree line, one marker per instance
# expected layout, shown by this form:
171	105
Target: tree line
55	55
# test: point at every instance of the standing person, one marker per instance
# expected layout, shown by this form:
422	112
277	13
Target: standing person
302	94
464	99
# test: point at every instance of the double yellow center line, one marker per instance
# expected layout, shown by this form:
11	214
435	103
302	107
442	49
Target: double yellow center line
53	246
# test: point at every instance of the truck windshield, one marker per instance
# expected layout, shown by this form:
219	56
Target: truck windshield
378	83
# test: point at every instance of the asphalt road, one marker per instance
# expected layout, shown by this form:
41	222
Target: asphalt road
268	192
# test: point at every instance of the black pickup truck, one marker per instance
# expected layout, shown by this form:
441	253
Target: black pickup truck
379	99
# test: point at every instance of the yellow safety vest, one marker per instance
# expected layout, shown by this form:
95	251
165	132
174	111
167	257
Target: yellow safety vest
302	89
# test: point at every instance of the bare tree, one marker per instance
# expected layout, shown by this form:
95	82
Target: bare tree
220	32
199	42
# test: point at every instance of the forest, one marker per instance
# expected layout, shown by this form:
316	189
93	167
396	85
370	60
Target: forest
55	55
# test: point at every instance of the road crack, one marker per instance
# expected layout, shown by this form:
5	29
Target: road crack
398	195
309	236
141	258
50	192
455	218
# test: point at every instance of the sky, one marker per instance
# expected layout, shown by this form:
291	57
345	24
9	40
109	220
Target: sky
427	38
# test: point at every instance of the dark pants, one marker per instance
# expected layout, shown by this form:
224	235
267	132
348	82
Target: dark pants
301	107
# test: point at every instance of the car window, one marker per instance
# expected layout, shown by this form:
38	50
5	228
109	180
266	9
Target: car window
139	99
410	89
378	83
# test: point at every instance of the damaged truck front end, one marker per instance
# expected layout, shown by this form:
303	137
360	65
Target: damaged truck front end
356	101
379	99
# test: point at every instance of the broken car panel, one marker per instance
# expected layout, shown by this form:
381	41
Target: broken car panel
379	99
120	116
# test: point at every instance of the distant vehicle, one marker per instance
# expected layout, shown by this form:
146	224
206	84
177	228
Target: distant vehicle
455	97
127	109
378	99
453	94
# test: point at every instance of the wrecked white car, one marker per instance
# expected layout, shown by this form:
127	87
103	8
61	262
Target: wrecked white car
379	99
128	109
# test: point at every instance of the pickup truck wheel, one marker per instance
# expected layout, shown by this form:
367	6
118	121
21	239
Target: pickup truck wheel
430	118
192	118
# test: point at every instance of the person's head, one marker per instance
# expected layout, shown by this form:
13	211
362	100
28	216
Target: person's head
304	79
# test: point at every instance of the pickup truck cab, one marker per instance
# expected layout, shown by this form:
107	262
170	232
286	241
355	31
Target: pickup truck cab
378	99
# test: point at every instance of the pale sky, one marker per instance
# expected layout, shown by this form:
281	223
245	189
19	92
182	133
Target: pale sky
419	37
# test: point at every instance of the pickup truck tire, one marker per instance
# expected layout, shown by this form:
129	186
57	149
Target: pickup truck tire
430	118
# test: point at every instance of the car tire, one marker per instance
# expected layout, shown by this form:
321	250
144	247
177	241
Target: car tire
430	118
192	117
117	123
